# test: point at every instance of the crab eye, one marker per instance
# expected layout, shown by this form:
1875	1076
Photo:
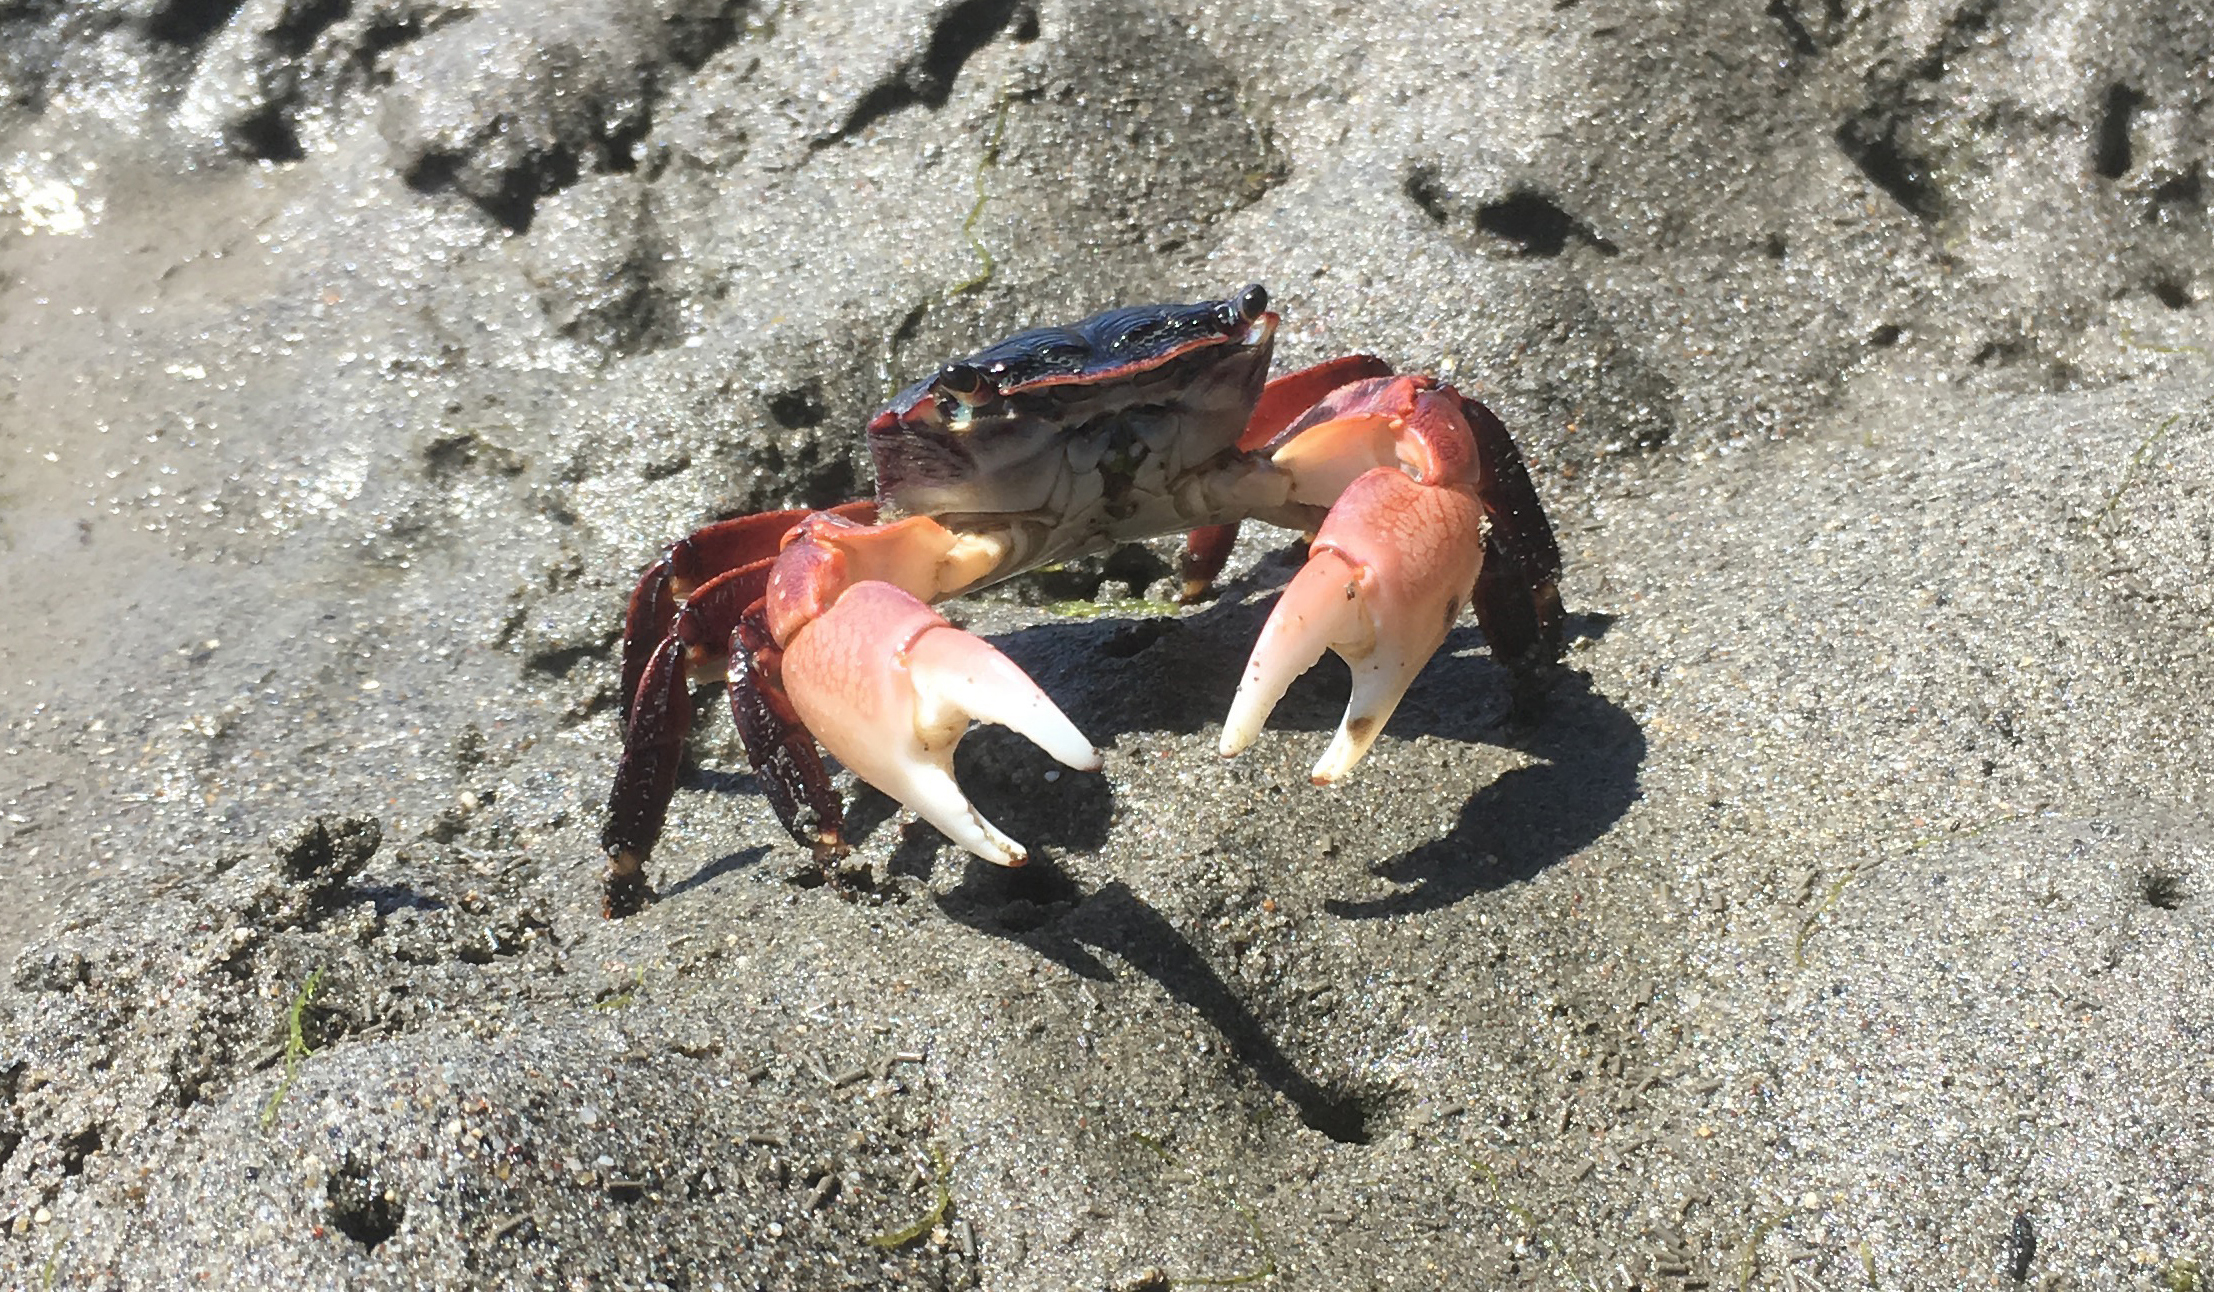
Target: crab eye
963	383
1244	309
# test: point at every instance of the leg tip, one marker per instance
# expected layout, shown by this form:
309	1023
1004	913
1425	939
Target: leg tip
1530	694
827	848
624	889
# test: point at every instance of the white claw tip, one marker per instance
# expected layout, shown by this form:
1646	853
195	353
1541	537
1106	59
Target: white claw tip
1351	744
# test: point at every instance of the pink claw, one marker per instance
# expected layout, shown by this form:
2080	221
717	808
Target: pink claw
889	687
1390	570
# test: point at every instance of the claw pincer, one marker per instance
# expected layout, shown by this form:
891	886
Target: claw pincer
1390	568
889	687
1050	445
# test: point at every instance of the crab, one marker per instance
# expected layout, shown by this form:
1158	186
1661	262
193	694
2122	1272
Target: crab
1051	444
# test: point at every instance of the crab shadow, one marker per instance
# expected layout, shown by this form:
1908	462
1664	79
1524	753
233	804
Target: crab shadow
1588	751
711	871
1041	908
1114	678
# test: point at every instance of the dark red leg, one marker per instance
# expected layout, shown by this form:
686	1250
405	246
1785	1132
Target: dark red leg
653	750
699	633
786	759
1206	550
689	563
1518	599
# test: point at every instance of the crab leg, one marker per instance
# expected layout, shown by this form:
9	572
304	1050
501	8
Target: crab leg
682	616
692	561
659	717
1401	551
1518	598
645	778
786	760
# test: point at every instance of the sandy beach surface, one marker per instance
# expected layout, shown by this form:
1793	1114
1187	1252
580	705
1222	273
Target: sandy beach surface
1843	916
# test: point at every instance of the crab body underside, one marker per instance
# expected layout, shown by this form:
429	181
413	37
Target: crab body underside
1051	444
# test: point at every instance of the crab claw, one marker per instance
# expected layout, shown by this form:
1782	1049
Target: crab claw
1389	571
889	687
